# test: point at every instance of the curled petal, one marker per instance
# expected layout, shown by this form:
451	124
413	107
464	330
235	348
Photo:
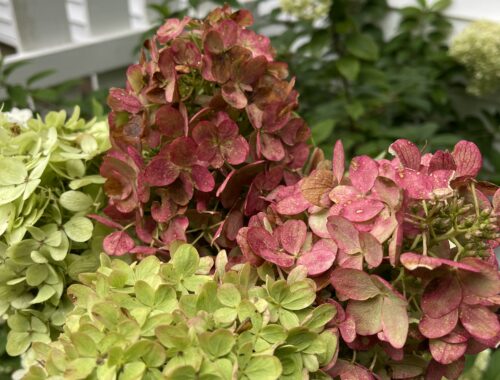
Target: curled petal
441	296
468	159
433	328
338	163
407	153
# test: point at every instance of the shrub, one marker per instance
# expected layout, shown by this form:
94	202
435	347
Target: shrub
48	183
175	320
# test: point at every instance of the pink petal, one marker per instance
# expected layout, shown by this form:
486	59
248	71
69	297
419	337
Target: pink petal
452	371
338	161
363	172
317	224
394	321
119	100
479	321
272	147
231	189
361	210
320	258
261	241
176	230
417	184
446	353
407	153
438	327
342	194
183	151
486	283
236	150
441	296
353	284
203	179
292	235
372	249
249	255
367	315
344	234
118	243
412	261
172	28
468	159
442	161
160	172
387	191
234	95
170	122
105	221
293	204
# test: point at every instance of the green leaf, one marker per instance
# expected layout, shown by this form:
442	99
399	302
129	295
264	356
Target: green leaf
229	295
12	172
75	201
320	316
362	46
355	109
322	131
39	76
182	373
84	344
440	5
301	295
36	274
186	260
273	334
218	343
348	67
263	368
80	368
79	228
44	293
145	293
173	336
147	268
133	371
17	343
85	181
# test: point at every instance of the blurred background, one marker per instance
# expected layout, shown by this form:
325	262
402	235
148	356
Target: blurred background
368	71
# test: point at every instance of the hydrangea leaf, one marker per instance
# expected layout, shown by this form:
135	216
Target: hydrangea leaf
75	201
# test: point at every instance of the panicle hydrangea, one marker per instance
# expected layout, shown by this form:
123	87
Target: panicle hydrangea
306	9
404	249
206	115
477	47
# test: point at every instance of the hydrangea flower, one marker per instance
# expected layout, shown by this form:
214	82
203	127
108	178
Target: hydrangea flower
207	104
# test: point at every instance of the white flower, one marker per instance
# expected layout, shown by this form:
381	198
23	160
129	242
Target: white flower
19	116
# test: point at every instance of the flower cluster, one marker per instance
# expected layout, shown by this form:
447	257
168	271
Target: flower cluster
48	183
206	115
477	47
404	248
177	321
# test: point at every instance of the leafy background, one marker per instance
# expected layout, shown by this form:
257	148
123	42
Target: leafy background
356	82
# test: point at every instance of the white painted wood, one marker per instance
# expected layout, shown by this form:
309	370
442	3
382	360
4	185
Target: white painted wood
76	60
39	26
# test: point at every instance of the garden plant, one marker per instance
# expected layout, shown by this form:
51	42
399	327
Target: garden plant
204	237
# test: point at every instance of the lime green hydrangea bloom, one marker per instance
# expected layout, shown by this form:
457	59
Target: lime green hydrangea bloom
182	320
48	183
306	9
478	49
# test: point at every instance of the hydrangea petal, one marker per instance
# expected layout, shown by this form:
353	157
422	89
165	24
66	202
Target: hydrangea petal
320	258
468	159
407	153
446	353
292	235
441	296
361	210
363	172
338	163
433	328
118	243
344	234
394	321
479	321
160	172
354	284
372	249
367	315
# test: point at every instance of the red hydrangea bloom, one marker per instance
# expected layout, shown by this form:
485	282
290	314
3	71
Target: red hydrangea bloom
206	105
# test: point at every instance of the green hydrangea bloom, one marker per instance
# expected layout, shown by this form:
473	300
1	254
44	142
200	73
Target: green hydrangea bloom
306	9
48	183
477	47
176	320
